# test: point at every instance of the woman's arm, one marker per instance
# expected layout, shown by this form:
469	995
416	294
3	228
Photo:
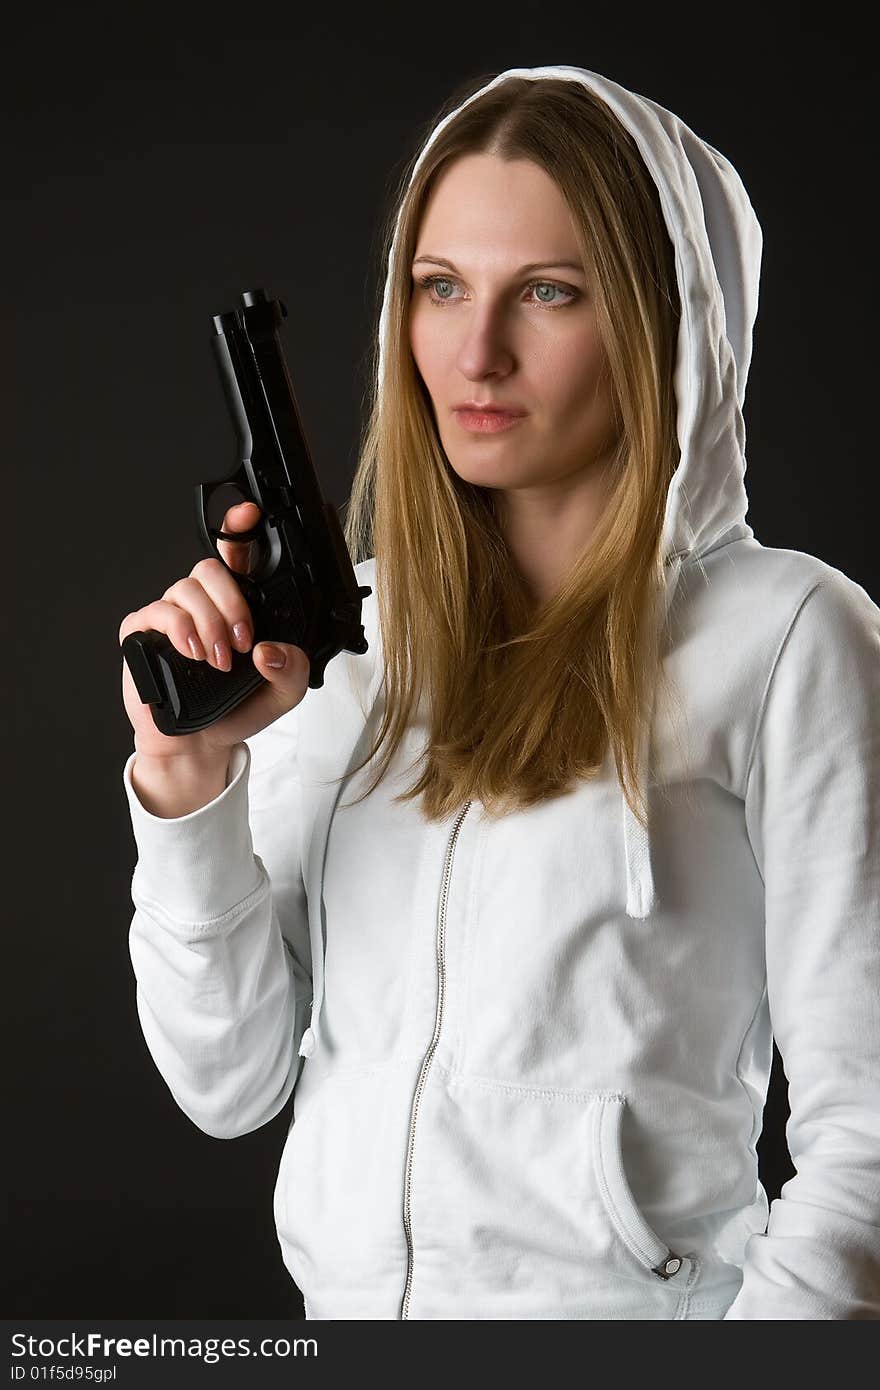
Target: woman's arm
219	941
813	818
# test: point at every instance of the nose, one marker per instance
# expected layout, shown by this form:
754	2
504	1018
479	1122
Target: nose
485	347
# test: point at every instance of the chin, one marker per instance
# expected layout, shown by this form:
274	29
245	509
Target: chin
484	475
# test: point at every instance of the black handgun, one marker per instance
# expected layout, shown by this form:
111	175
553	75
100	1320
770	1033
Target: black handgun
301	588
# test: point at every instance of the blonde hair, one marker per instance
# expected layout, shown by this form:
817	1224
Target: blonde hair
522	700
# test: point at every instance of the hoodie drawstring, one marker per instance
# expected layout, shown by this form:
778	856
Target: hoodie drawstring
640	894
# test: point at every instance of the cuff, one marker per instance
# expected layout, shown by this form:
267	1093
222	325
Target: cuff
199	866
812	1263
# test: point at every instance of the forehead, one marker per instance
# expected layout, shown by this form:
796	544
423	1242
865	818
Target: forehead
491	210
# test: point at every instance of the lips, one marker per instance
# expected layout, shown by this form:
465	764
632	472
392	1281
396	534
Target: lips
487	421
490	408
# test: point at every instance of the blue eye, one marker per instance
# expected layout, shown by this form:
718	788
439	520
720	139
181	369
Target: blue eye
429	281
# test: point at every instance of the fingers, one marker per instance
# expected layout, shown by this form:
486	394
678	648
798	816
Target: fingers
205	615
204	639
210	594
242	517
217	618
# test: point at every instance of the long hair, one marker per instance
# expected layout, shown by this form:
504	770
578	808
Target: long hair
522	700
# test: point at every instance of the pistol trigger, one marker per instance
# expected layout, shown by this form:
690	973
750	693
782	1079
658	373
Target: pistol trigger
239	535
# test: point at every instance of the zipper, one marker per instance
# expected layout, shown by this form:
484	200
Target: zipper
426	1061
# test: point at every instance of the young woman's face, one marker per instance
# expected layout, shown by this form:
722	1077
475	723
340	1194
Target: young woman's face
492	332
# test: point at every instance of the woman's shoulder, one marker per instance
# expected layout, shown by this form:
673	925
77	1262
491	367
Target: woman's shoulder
768	585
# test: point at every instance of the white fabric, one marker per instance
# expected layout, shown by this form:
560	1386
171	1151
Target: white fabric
531	1112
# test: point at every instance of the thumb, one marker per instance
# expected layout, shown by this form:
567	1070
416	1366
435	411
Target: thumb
281	663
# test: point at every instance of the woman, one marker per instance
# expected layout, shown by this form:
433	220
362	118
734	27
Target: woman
527	1000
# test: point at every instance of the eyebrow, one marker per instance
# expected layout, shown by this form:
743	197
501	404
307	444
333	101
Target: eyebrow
523	270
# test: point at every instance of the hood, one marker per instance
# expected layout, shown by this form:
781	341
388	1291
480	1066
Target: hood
718	242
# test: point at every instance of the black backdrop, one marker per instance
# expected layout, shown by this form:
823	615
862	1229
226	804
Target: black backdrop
149	177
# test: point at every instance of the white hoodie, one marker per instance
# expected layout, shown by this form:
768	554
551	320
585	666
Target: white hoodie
537	1050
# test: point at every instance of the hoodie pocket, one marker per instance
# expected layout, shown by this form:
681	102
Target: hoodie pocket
338	1194
521	1208
646	1247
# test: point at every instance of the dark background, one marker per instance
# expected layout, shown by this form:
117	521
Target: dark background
150	177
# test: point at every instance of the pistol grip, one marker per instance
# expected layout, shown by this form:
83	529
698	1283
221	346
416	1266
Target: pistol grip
186	695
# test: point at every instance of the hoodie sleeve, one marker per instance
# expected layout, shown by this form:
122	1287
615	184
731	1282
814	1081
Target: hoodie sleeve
219	940
813	816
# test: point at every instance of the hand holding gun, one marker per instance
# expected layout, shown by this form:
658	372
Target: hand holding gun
299	586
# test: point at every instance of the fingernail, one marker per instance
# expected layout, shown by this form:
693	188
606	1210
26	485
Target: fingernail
242	636
273	656
196	648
